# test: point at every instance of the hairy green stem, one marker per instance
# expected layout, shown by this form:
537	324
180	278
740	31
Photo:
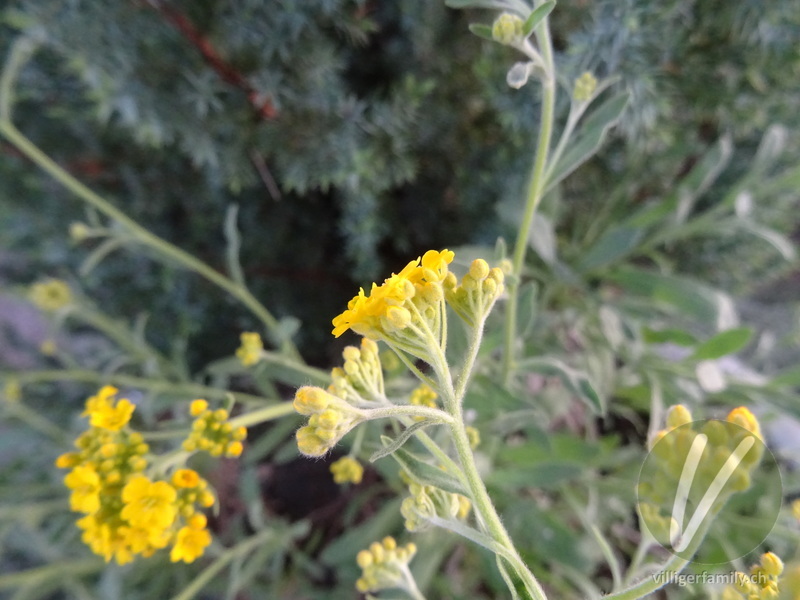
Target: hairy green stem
482	502
262	415
536	188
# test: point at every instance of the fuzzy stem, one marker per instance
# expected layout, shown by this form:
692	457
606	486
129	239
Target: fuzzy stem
536	188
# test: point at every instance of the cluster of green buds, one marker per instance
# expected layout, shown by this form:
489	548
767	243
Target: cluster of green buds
585	85
360	379
212	433
347	470
722	454
508	29
426	502
479	289
385	565
251	349
760	584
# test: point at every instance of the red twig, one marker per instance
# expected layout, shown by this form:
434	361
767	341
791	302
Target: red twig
227	72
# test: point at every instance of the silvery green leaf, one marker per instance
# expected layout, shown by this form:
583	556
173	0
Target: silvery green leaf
519	74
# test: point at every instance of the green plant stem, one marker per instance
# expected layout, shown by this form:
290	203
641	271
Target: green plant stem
60	569
659	579
36	421
536	188
313	374
409	410
158	386
242	548
122	336
263	415
480	496
145	237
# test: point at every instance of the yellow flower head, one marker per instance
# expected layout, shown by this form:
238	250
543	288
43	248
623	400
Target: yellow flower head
392	306
507	29
105	412
585	85
190	542
12	390
212	433
347	470
249	353
84	482
384	565
149	504
50	294
48	347
185	478
744	418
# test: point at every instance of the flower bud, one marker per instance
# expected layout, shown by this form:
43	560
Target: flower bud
507	29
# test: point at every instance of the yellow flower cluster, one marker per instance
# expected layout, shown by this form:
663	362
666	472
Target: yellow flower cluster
335	411
479	289
249	353
330	419
385	565
411	298
426	501
670	449
507	29
50	294
585	85
12	391
212	433
126	513
423	396
347	470
760	584
360	379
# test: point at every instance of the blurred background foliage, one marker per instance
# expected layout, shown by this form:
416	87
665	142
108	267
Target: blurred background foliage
353	135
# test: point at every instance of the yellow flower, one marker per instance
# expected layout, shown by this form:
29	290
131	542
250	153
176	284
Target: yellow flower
585	85
382	312
12	390
107	413
347	470
212	433
185	478
742	417
85	485
48	347
385	565
148	504
105	540
50	294
249	353
198	407
507	29
424	396
190	543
